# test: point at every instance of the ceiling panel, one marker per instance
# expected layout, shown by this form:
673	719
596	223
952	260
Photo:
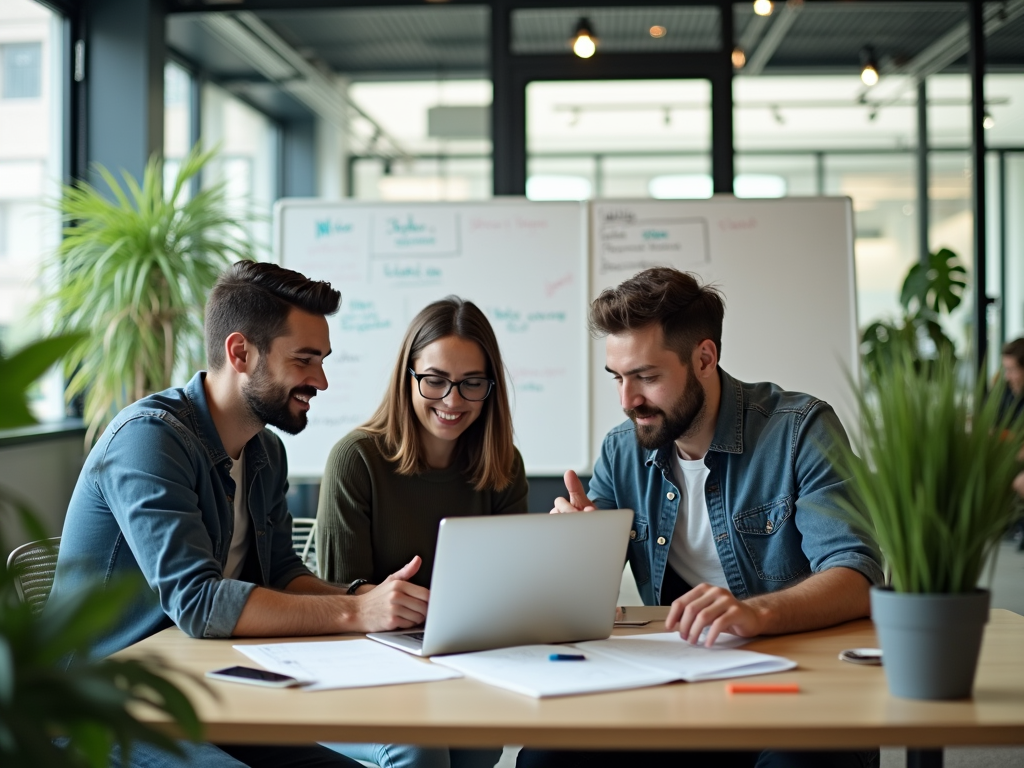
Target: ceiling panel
619	30
381	40
831	35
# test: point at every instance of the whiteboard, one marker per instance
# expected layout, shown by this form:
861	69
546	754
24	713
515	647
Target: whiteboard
785	267
524	264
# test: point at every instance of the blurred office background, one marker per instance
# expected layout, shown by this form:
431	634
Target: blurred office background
462	101
393	102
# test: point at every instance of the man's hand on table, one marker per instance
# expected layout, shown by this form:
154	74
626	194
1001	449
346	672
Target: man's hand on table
396	603
716	609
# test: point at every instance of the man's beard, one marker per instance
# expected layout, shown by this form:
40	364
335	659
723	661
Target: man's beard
685	417
270	403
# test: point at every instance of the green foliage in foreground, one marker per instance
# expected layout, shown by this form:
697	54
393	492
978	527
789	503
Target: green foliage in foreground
42	697
19	372
935	488
88	701
133	272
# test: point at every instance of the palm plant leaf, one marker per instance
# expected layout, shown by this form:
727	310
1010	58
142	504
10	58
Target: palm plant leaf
133	273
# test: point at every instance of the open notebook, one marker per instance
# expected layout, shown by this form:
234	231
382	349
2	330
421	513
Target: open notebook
613	664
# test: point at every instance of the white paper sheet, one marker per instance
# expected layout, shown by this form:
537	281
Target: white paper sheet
667	652
527	669
344	664
615	664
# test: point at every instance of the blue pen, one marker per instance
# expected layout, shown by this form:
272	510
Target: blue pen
567	657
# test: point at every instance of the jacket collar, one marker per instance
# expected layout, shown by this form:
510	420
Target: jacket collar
255	454
728	437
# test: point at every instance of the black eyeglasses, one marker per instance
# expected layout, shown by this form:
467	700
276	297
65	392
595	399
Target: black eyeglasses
434	387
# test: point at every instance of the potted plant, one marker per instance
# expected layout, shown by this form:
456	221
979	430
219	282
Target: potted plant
86	705
133	272
930	291
931	470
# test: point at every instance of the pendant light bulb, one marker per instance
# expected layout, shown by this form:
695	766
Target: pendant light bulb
868	66
584	42
763	7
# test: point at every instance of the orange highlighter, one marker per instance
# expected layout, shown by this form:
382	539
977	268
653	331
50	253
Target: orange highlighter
762	688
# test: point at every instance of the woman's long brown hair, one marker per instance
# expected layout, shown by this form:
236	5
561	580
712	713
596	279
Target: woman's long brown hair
485	448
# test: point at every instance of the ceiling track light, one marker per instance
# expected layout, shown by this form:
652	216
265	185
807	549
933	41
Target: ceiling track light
739	58
763	7
988	122
584	42
868	66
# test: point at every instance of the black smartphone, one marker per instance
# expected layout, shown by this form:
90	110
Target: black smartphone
871	657
255	677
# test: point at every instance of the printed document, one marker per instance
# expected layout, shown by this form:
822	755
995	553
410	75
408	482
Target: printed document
344	664
614	664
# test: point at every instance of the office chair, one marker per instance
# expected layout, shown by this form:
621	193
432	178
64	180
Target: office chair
33	566
304	540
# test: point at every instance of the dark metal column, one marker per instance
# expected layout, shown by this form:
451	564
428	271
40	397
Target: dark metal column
923	206
298	150
722	171
977	63
924	758
508	108
124	78
1004	253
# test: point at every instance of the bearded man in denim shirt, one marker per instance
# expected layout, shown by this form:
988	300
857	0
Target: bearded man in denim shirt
732	490
187	489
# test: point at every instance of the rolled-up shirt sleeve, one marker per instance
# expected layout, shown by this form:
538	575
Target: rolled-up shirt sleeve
829	541
150	468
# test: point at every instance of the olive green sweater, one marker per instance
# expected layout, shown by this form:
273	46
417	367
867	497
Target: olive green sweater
371	521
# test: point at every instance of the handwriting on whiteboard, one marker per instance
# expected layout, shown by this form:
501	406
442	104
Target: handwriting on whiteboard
627	242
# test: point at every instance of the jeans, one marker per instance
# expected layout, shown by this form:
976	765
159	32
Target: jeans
233	756
411	756
535	758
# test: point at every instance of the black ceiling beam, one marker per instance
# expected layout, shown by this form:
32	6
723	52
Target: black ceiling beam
976	57
198	6
511	73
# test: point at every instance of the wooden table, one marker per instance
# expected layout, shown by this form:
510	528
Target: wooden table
840	705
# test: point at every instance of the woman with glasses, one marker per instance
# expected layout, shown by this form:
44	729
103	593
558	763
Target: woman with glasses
439	445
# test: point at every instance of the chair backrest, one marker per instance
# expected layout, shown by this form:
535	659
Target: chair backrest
33	566
304	540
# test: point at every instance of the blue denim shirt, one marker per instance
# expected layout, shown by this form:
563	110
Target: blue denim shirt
770	494
156	497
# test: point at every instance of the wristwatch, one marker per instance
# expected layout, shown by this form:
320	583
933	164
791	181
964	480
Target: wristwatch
356	585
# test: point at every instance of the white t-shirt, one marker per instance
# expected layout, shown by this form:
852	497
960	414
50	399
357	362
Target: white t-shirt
692	552
240	538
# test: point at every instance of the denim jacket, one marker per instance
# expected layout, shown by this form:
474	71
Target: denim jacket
155	498
771	494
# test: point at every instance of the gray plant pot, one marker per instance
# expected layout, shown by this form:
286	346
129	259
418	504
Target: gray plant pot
930	643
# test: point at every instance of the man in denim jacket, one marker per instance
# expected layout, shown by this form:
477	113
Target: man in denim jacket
187	489
733	493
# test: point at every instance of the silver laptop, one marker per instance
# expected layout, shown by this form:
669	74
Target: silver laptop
521	579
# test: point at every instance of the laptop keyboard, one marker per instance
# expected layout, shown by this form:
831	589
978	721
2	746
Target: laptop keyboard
415	635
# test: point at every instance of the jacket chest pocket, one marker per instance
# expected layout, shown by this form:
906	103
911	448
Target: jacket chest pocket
639	562
771	540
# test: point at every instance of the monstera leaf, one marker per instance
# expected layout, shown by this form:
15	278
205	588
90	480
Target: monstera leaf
929	292
937	287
